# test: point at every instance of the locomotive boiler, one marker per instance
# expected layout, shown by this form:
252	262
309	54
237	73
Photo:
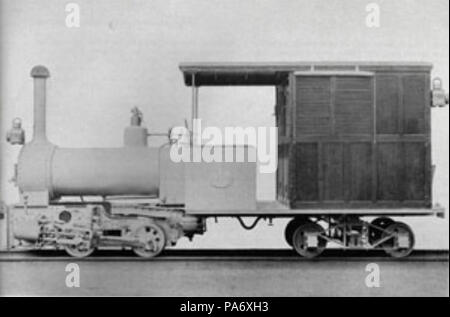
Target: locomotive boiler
354	143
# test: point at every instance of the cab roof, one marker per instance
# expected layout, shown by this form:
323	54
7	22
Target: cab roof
273	74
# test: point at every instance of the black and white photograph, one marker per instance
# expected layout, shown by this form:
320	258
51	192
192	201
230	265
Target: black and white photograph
224	153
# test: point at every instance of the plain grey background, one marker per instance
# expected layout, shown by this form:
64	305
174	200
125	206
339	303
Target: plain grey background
126	53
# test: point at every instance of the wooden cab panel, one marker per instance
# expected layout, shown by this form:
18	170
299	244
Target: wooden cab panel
360	139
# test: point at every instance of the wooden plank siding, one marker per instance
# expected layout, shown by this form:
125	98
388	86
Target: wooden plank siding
356	141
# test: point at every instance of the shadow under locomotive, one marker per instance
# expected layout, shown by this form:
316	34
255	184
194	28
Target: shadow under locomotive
224	255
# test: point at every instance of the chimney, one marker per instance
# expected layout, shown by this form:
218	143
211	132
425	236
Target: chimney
40	75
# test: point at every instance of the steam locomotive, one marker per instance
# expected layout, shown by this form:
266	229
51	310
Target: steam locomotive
354	143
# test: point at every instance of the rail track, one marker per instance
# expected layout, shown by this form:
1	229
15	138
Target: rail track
226	255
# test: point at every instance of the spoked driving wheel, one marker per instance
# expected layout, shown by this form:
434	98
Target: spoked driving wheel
79	251
151	239
400	240
83	244
307	240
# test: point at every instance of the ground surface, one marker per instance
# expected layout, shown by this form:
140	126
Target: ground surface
218	274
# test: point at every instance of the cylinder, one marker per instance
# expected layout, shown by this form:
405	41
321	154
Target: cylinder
27	229
40	75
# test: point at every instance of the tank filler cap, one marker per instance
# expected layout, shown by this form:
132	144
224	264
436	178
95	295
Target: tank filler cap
40	71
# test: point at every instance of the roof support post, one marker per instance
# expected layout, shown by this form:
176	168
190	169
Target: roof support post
194	98
194	106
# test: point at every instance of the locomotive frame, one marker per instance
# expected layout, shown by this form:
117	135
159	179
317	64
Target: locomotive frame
42	219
